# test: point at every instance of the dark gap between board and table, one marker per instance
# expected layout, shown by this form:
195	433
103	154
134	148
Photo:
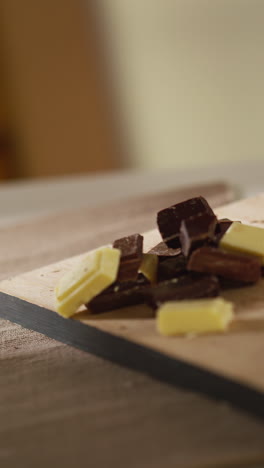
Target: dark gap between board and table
175	372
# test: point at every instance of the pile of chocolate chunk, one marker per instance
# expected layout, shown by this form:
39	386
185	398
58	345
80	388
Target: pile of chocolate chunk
199	256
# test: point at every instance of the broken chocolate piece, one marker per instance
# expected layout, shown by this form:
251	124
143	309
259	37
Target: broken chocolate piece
196	231
169	220
142	279
172	268
194	316
221	228
119	295
131	255
244	239
149	267
229	265
95	272
226	283
163	251
186	287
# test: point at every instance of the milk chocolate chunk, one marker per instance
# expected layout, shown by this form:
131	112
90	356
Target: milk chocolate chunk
119	295
172	267
131	248
169	220
226	264
163	251
221	228
196	231
187	287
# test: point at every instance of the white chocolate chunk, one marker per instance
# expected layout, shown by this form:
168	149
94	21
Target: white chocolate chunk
243	238
149	267
194	316
95	272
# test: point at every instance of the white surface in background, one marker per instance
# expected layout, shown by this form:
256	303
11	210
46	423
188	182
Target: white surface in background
26	199
189	76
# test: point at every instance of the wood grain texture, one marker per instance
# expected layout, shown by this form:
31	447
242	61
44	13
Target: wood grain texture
62	235
187	373
126	335
61	406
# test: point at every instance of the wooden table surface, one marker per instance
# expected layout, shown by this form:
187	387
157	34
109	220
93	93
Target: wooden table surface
63	407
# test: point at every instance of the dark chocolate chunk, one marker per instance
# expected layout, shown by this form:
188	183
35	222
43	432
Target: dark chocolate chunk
131	255
228	265
172	267
221	228
119	295
115	300
169	220
163	251
131	246
196	231
226	283
186	287
142	279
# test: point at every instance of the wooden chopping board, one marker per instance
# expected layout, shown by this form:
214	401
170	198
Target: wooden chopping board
225	366
84	408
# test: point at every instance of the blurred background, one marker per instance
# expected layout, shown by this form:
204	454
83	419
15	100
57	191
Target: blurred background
90	86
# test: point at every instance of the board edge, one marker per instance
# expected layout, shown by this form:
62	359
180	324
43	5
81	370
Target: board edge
175	372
